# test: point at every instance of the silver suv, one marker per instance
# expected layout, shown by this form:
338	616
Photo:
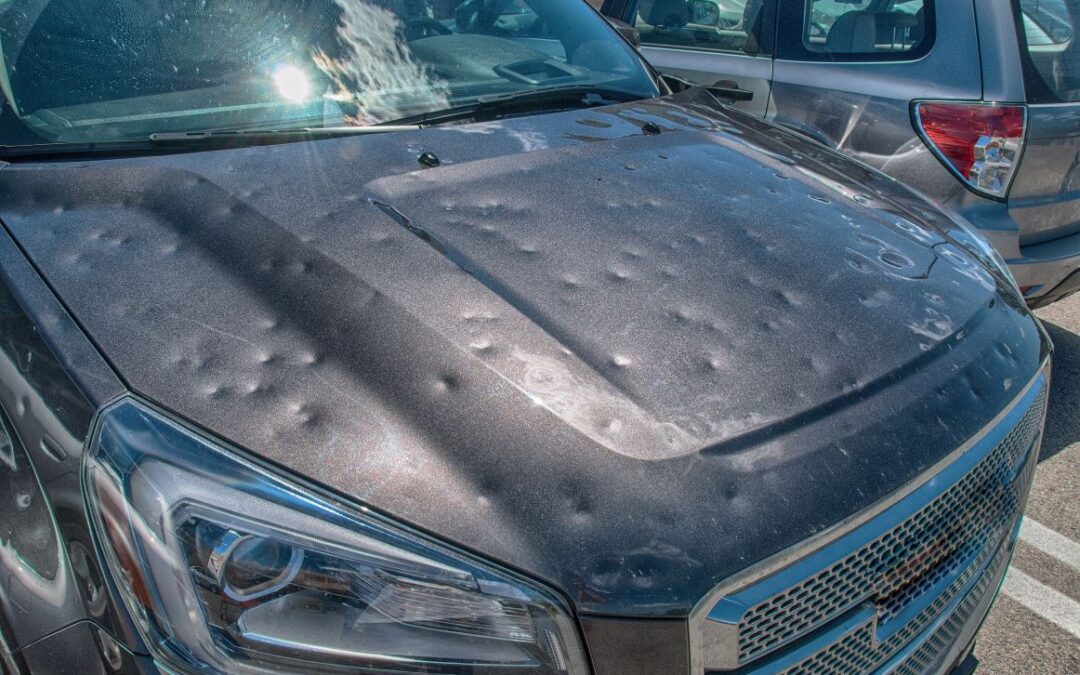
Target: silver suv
975	103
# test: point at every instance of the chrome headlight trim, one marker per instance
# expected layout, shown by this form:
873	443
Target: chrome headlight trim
173	509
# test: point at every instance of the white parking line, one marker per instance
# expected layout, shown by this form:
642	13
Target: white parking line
1043	600
1048	541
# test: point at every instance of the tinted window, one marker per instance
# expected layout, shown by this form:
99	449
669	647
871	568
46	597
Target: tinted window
1049	30
865	29
718	25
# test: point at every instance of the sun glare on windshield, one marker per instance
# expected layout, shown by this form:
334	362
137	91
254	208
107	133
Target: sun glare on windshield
292	84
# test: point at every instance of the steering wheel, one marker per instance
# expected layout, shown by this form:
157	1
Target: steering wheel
423	27
480	16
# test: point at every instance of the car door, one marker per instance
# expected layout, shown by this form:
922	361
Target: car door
725	44
847	71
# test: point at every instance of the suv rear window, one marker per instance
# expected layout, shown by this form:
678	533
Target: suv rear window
858	30
1049	30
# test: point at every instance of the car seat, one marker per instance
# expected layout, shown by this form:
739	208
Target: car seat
853	33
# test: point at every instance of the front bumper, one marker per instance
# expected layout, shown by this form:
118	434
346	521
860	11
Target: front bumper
658	647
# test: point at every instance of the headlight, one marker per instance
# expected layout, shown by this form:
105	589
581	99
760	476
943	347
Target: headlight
227	567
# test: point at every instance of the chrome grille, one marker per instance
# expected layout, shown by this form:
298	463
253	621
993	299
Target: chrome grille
936	644
889	593
903	563
857	653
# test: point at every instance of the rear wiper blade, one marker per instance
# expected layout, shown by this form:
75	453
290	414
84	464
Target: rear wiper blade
544	98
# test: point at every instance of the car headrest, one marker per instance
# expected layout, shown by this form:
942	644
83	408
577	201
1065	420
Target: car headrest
853	33
918	31
750	25
668	14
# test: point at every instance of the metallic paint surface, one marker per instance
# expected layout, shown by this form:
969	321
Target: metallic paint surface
642	363
51	381
864	110
81	649
1045	199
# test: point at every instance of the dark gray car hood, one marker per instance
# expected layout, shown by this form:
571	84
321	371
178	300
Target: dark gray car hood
630	364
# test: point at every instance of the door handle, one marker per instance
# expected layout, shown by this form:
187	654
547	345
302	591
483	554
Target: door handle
729	89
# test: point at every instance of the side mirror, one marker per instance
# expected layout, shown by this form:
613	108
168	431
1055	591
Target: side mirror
629	32
704	12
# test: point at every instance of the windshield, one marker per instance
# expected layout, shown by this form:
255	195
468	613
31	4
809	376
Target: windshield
106	70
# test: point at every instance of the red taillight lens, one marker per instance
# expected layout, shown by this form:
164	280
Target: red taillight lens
980	141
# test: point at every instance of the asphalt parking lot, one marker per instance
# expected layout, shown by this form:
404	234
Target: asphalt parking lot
1035	625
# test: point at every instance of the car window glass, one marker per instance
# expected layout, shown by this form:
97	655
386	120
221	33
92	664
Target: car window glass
1049	29
717	25
865	27
100	70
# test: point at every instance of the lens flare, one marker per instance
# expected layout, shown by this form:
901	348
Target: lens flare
292	84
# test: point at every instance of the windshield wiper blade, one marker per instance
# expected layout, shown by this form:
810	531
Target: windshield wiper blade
546	98
255	136
177	141
65	149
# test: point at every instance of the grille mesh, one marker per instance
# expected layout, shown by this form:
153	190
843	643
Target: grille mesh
960	530
858	653
943	638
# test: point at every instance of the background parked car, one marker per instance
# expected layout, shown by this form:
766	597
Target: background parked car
976	104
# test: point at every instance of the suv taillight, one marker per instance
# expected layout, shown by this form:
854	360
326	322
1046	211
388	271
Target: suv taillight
980	142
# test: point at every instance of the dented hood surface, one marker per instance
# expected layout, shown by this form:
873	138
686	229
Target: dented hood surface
627	363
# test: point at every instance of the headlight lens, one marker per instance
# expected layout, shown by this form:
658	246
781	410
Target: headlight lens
225	566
